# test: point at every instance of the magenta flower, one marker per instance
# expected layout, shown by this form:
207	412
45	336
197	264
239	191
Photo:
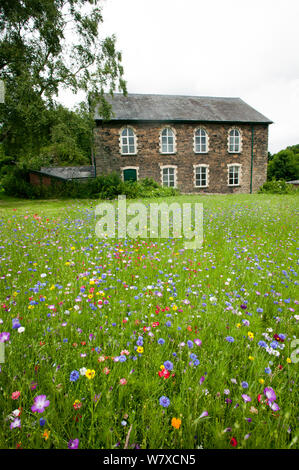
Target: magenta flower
73	444
246	398
198	342
270	394
4	336
40	403
204	414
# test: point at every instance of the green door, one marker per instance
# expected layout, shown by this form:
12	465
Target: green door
130	174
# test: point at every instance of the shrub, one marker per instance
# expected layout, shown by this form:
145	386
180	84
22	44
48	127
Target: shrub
277	187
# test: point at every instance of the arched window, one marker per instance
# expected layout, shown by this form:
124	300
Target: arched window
200	141
128	141
234	141
167	141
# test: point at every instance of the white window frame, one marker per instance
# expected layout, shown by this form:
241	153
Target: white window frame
121	141
174	140
129	168
201	129
163	167
207	175
239	166
234	129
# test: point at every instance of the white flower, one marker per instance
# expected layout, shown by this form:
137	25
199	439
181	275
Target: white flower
43	275
83	370
21	329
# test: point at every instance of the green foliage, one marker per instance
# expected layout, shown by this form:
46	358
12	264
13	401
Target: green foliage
284	164
16	183
38	57
277	187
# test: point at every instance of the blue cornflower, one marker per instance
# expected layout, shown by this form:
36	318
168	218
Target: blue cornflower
122	358
42	421
196	362
244	384
161	341
268	370
262	344
168	365
193	357
164	401
230	339
274	344
74	376
190	344
168	323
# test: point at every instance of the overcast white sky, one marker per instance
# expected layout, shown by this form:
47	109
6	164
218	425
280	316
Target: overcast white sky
238	48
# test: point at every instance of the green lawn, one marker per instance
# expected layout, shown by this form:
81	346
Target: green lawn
111	326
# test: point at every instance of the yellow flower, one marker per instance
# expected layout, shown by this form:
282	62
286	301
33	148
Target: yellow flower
238	325
46	434
250	334
261	381
67	263
251	358
176	423
140	349
90	373
289	360
91	282
52	287
73	248
90	296
162	367
174	307
170	298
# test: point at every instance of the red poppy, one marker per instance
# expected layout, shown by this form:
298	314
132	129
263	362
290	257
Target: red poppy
164	373
233	442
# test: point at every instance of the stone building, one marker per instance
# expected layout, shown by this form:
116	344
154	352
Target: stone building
197	144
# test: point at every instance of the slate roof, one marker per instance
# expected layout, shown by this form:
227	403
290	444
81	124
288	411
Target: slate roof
143	107
69	172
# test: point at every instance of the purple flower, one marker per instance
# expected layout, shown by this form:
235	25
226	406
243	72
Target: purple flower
164	401
274	406
246	398
4	336
15	323
204	414
40	403
198	342
16	423
270	394
201	380
73	444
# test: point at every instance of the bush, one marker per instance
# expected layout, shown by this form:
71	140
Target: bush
277	187
16	183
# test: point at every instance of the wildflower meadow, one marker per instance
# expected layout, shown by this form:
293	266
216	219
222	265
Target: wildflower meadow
142	343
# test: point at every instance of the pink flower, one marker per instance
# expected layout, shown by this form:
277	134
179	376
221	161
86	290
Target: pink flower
40	403
123	381
246	398
204	414
198	342
15	395
270	394
73	444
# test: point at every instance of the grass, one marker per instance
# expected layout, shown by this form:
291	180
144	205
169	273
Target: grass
85	302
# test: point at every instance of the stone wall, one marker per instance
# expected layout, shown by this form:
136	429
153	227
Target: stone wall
149	158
